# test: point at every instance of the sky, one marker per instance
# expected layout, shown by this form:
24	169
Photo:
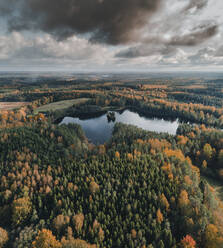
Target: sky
111	35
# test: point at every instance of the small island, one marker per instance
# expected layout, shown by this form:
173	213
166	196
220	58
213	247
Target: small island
111	116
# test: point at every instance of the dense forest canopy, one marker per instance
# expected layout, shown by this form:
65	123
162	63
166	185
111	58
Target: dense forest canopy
140	189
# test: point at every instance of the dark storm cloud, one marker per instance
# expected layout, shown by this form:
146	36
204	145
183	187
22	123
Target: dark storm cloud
197	36
144	51
158	46
197	4
109	21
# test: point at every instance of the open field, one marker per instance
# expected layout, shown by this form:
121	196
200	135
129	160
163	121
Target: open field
157	86
12	105
194	86
60	105
217	185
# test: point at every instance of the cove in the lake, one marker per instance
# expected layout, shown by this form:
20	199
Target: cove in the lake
98	130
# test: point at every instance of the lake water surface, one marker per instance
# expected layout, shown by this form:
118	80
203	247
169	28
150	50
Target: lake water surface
98	130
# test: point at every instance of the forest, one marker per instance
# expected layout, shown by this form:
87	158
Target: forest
139	189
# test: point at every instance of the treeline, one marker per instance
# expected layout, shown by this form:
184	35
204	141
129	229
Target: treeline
196	98
194	113
48	95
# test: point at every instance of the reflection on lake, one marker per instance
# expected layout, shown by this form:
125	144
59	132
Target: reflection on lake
98	130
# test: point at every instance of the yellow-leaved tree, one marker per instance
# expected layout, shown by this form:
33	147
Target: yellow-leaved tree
45	239
3	237
212	237
78	221
21	209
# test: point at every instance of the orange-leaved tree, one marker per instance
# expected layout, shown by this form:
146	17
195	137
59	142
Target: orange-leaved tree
188	242
45	239
3	237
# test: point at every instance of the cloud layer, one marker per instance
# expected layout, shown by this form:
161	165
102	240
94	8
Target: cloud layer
111	34
108	21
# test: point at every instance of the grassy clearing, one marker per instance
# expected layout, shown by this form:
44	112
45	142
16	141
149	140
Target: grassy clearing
60	105
217	185
194	86
12	105
156	86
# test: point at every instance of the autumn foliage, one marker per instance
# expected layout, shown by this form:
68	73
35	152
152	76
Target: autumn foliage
159	216
45	239
21	209
3	237
140	189
78	221
188	242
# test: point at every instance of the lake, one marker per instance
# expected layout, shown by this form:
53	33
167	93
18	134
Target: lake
98	130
